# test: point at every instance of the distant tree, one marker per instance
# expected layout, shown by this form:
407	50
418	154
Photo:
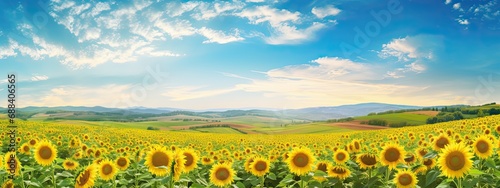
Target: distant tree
480	113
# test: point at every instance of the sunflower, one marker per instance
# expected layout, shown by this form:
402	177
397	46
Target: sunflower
69	164
207	161
158	160
248	163
122	163
45	153
441	141
222	175
356	145
8	184
107	170
25	149
11	162
421	152
391	155
366	160
87	177
483	147
339	172
341	156
322	166
191	160
405	179
429	163
455	161
259	166
421	169
410	158
300	161
179	162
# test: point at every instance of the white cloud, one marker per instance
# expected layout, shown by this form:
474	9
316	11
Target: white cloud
215	36
174	9
7	51
176	29
274	16
63	6
325	11
255	1
90	34
456	6
191	92
152	52
39	78
208	11
286	34
463	21
401	48
411	47
77	96
447	2
331	81
98	8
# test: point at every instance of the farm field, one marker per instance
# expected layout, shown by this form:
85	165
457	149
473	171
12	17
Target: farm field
453	154
411	118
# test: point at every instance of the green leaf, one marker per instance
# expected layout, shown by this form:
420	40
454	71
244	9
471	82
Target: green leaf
32	183
444	184
239	185
490	163
475	172
320	173
271	176
430	154
314	184
197	185
431	177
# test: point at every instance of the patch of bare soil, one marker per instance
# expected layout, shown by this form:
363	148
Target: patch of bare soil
427	113
356	125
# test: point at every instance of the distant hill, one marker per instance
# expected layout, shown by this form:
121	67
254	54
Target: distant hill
314	113
335	112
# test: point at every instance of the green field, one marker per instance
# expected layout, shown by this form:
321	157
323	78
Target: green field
225	130
413	119
317	127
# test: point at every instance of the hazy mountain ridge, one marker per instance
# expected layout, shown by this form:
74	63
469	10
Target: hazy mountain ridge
312	113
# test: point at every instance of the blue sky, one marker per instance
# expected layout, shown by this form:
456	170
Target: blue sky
254	53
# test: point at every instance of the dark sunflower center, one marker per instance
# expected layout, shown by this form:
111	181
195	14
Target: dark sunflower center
107	169
356	145
455	160
482	146
121	162
441	142
339	170
260	166
9	185
427	162
301	160
322	167
70	164
368	160
84	178
160	159
189	159
405	179
410	158
32	142
340	156
26	148
422	152
392	155
45	152
222	174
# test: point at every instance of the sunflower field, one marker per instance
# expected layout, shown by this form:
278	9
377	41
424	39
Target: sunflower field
453	154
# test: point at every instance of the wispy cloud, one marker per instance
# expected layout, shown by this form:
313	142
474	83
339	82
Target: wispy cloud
39	78
323	12
215	36
192	92
447	2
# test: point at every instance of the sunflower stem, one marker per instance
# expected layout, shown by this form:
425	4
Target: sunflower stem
387	174
262	179
370	173
459	183
301	182
22	178
53	176
114	182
